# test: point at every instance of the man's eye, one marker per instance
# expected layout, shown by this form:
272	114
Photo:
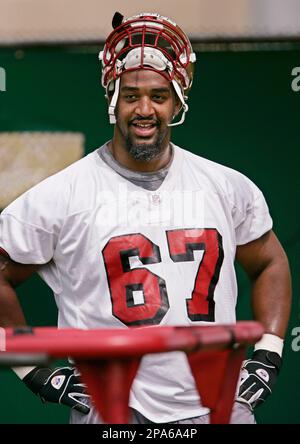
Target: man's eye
130	97
158	97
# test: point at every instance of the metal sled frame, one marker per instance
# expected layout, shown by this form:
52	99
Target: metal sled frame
108	359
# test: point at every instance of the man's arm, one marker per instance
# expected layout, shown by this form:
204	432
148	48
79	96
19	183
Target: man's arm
265	262
41	380
12	274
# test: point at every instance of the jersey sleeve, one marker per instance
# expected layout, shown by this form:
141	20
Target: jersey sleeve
250	213
30	226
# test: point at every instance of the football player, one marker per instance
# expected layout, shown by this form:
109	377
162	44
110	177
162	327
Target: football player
142	232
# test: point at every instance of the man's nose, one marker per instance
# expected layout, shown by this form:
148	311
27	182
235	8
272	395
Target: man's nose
144	107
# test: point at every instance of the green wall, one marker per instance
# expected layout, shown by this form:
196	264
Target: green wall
243	113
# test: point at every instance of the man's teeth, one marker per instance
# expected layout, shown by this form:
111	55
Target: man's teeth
147	125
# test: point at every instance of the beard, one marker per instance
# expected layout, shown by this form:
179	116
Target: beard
145	152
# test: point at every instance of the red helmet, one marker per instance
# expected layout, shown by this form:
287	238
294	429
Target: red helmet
152	42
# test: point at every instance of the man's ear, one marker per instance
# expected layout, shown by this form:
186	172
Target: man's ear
178	106
108	96
109	93
177	103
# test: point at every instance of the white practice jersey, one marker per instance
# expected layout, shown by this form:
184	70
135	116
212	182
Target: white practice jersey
116	256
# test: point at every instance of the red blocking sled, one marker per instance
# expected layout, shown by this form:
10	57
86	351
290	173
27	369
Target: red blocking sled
108	359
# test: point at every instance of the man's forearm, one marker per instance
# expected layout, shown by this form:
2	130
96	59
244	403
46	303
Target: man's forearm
271	303
11	313
271	297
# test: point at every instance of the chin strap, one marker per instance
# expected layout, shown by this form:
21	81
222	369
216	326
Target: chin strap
113	102
184	104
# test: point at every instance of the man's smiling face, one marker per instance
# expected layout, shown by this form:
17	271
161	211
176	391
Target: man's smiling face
145	107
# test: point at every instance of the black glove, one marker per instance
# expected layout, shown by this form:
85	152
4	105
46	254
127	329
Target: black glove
258	377
60	385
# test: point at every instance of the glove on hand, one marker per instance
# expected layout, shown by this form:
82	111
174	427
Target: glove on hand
60	385
258	377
